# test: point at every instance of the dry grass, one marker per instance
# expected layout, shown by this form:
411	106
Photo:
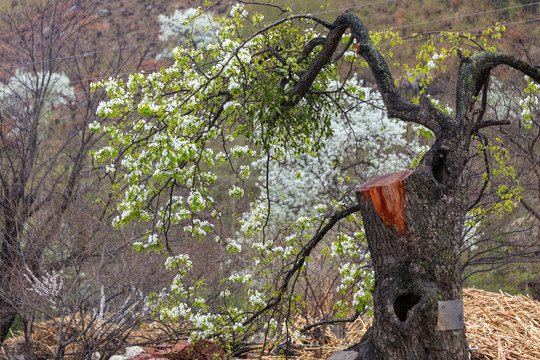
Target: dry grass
499	327
502	326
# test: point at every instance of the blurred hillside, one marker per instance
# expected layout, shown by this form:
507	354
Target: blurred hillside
139	19
406	16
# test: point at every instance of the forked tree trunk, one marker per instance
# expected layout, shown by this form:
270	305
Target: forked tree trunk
413	231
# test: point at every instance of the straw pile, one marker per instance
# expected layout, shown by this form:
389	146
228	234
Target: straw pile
44	335
499	327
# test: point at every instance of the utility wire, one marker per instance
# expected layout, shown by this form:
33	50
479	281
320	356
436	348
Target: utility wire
85	54
462	16
473	29
90	53
385	44
353	7
336	10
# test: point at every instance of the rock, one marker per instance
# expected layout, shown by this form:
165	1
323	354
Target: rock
132	351
118	357
344	355
258	338
102	13
96	356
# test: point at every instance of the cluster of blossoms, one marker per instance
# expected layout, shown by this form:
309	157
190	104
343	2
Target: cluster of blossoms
47	286
447	109
436	59
530	102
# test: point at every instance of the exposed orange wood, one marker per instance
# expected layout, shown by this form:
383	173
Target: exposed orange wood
388	197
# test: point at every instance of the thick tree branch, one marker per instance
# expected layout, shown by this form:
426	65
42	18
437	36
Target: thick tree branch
483	104
472	76
424	114
308	77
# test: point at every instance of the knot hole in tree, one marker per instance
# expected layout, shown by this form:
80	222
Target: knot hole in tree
439	169
403	304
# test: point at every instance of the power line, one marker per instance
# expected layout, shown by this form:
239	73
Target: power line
90	53
408	40
476	29
353	7
85	54
462	16
362	5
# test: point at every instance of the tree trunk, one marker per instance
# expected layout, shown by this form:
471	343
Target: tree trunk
8	257
6	321
413	230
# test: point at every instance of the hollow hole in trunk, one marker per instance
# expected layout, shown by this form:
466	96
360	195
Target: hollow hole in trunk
439	169
403	304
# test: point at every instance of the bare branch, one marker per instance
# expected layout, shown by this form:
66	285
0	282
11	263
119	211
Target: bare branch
331	322
477	126
301	259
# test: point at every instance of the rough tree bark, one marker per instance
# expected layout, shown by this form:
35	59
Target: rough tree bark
414	220
413	231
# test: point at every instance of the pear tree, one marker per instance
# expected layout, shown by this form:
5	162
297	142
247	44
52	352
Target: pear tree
271	101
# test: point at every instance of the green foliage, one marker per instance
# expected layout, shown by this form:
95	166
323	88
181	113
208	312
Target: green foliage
435	53
509	191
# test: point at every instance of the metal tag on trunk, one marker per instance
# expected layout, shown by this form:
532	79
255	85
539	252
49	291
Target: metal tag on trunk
450	315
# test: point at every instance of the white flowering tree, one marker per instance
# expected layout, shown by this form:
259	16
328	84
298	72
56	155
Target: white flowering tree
17	94
272	103
188	28
27	101
49	270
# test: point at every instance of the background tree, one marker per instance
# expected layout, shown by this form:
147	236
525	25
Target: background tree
502	243
49	268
